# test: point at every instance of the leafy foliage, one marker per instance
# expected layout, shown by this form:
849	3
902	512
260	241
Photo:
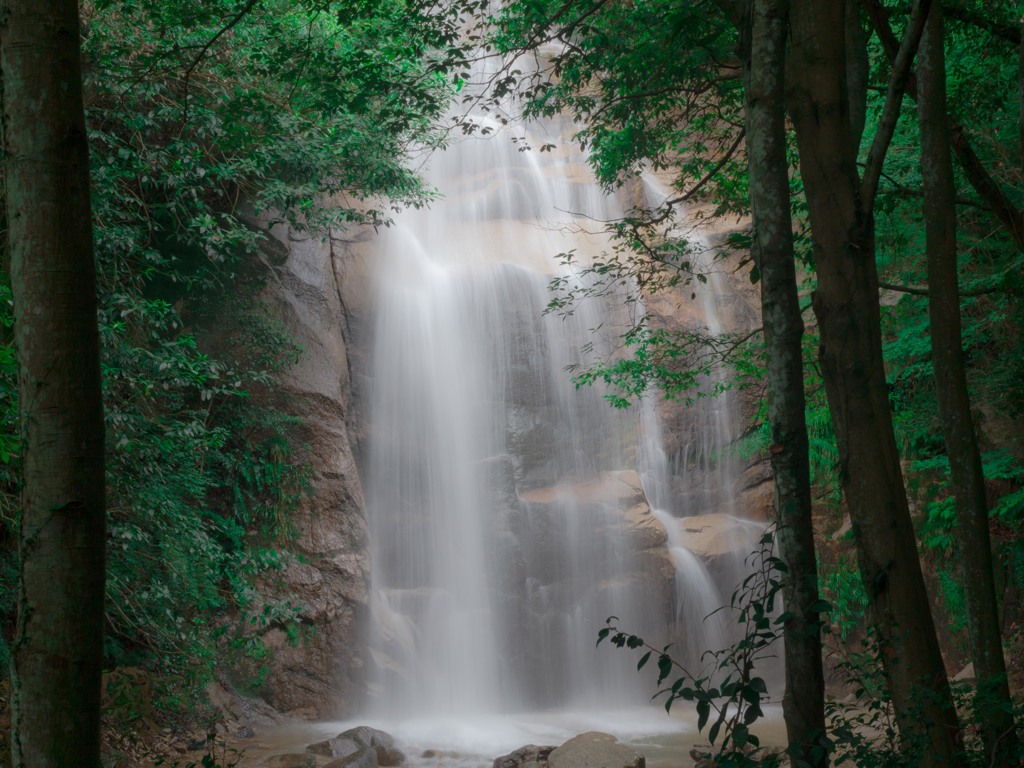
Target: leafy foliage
729	693
864	731
841	585
202	119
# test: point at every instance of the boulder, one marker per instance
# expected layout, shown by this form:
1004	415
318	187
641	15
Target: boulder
360	747
525	757
594	750
336	748
383	744
325	748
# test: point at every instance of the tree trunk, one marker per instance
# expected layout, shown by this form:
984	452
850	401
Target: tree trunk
993	705
847	309
764	61
858	71
57	651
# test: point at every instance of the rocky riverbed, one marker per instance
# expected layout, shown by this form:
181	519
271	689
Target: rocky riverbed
637	738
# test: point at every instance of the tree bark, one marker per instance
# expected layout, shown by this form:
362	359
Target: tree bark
993	704
848	313
57	651
858	71
803	704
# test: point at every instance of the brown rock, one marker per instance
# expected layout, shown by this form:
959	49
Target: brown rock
594	750
523	757
644	530
349	746
717	535
620	487
328	576
364	758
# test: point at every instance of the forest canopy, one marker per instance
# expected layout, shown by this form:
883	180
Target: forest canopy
864	159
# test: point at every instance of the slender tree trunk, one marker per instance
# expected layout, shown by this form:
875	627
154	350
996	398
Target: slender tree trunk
764	61
848	313
57	653
994	706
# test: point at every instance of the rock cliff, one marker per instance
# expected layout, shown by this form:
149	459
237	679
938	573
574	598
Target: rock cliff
318	672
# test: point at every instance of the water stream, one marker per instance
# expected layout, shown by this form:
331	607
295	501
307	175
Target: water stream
506	508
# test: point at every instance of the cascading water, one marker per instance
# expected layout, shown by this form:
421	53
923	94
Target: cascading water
505	508
494	543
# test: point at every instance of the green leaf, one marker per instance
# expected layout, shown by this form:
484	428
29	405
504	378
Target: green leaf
753	712
664	667
703	713
713	733
740	735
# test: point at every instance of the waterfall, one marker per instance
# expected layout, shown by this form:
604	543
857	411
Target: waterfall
510	513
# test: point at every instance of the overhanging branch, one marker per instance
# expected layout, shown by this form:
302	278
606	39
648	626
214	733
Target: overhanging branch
977	175
894	96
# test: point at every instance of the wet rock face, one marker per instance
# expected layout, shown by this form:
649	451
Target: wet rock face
721	542
317	670
609	522
700	438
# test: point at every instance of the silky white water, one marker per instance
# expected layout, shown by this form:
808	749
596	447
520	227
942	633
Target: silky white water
499	497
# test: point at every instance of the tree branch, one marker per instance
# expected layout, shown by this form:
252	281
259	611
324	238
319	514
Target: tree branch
898	79
249	5
922	290
954	9
908	192
688	195
987	187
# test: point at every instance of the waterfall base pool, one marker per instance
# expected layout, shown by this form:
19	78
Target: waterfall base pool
448	742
